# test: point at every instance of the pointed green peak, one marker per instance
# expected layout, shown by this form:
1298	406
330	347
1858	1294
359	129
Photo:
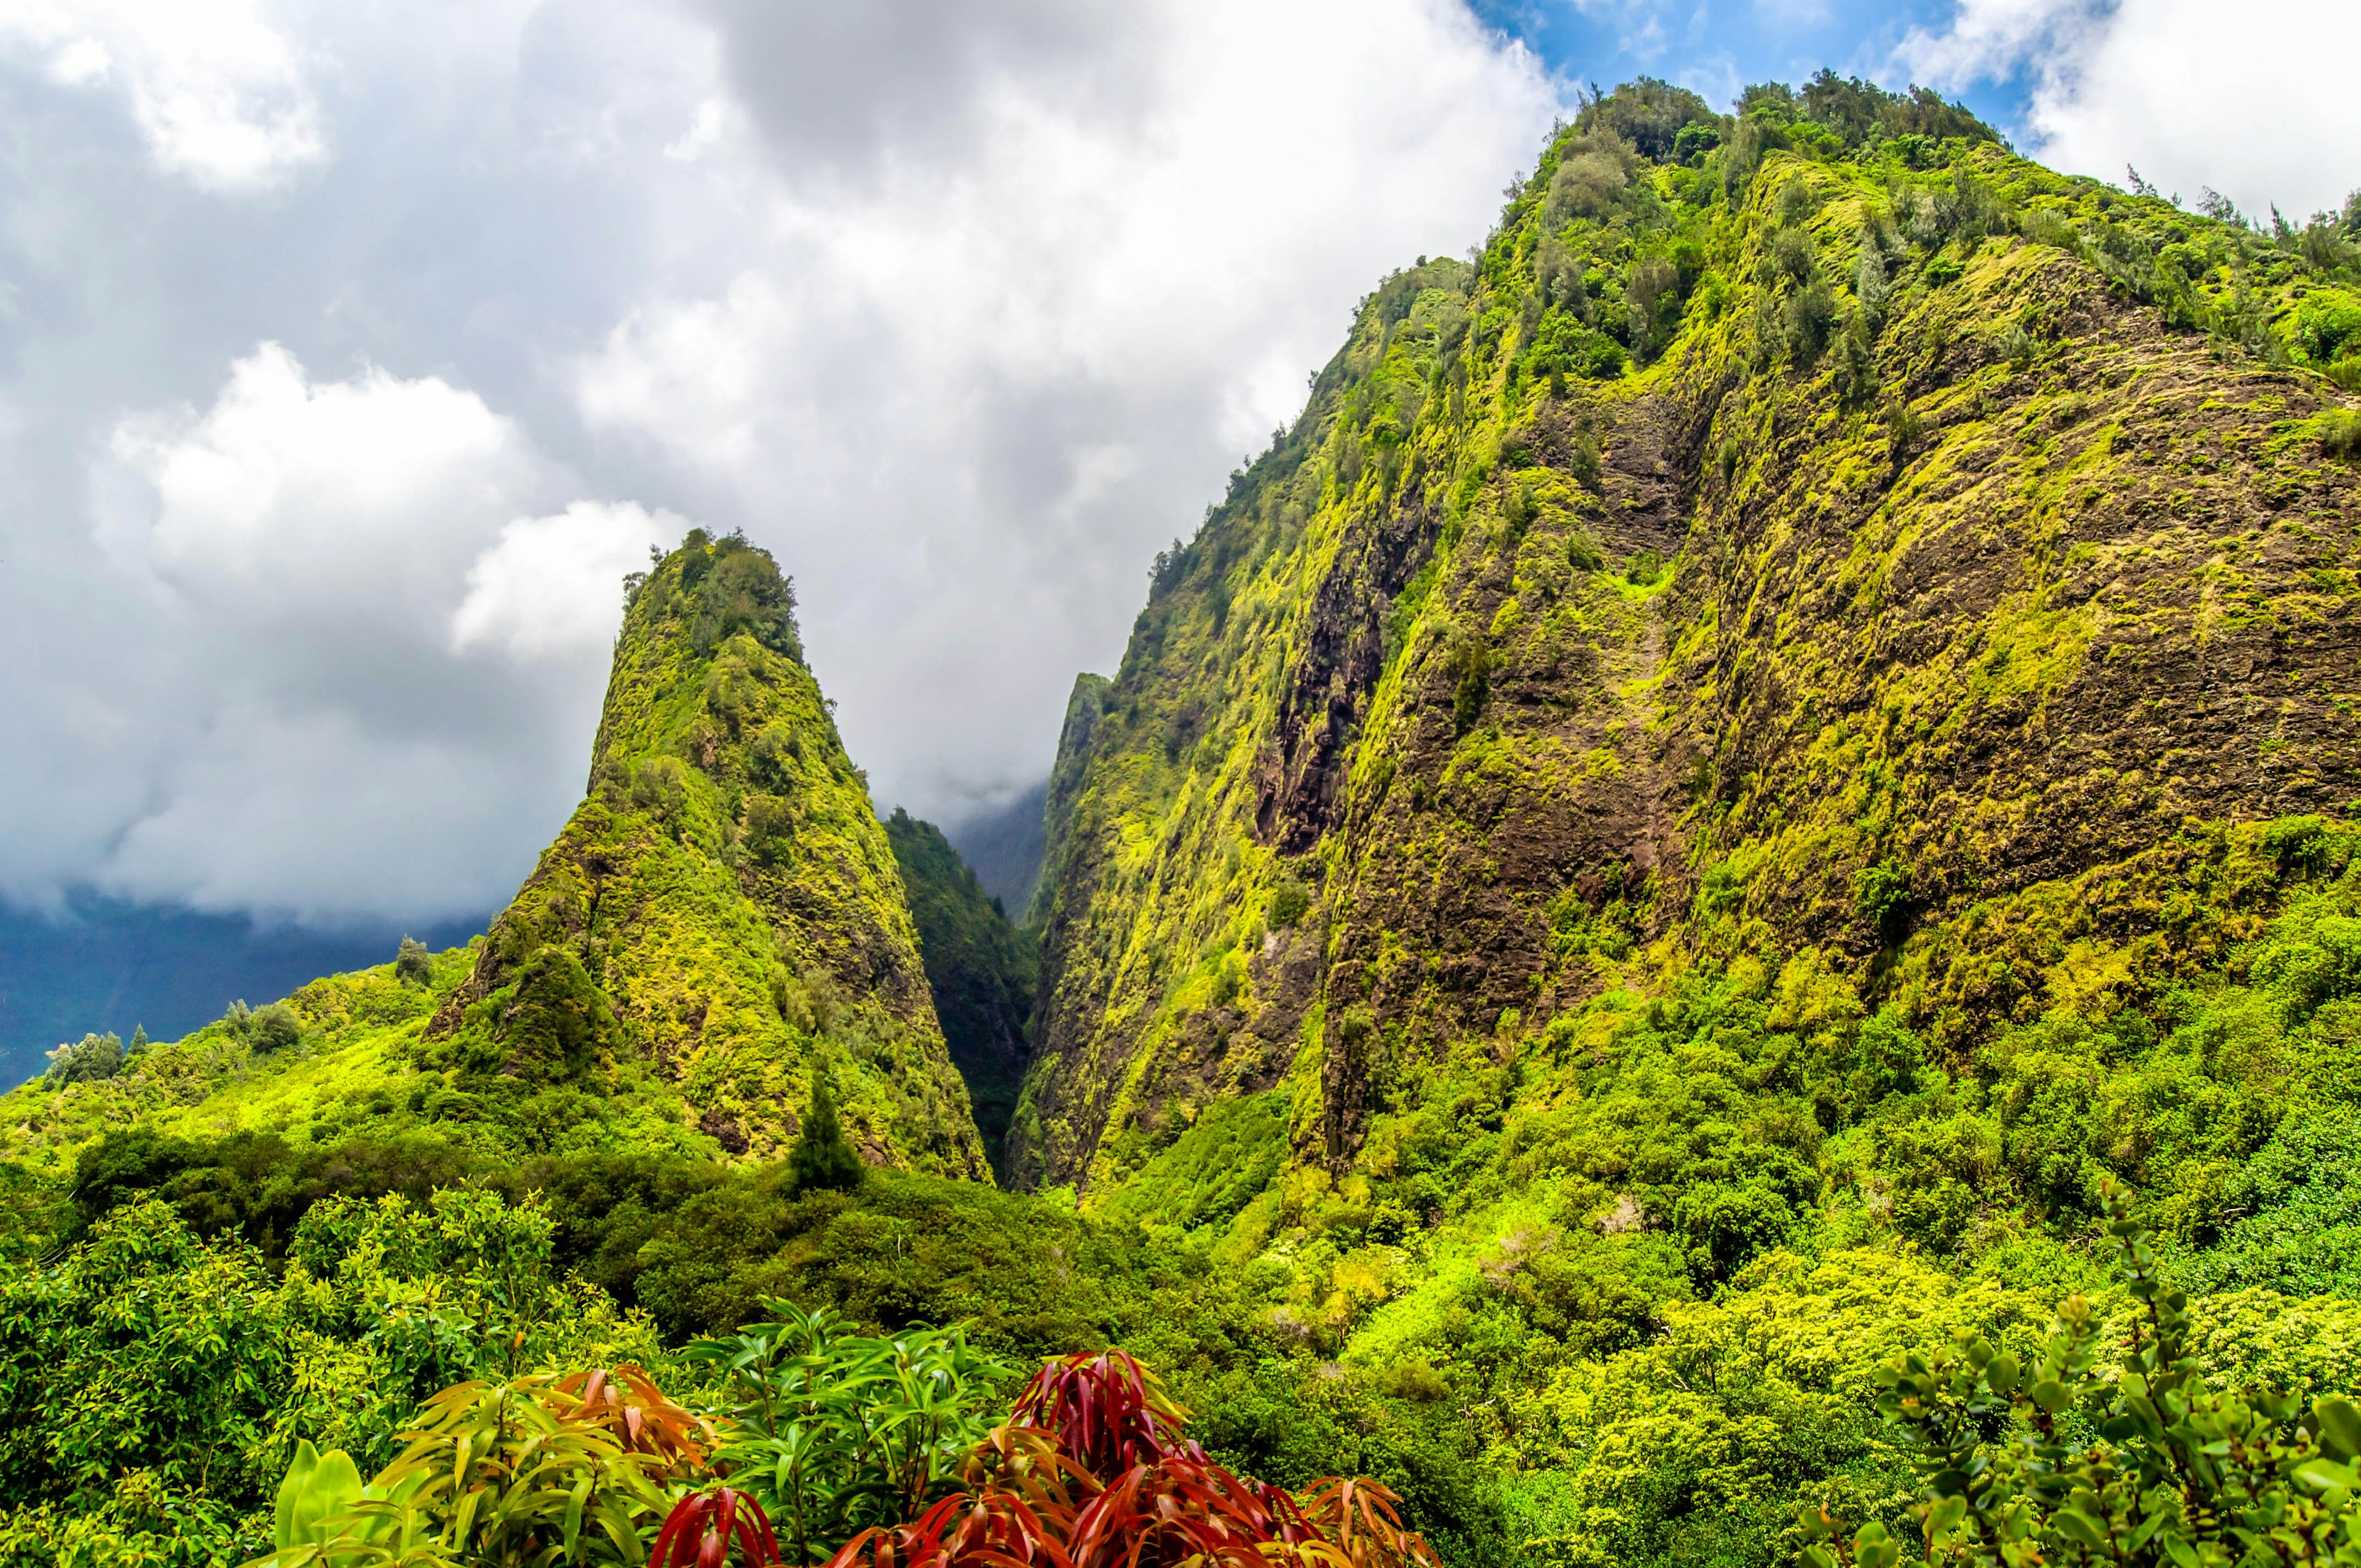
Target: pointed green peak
722	918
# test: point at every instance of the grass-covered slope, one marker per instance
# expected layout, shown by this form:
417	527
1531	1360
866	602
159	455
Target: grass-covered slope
980	969
724	905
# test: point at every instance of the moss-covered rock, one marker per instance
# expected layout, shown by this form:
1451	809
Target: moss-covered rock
724	912
1949	570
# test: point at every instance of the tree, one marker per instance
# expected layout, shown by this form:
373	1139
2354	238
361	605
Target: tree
411	964
88	1061
275	1028
821	1157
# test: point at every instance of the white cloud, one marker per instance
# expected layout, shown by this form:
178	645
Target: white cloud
384	654
288	500
2192	94
311	508
548	589
221	96
976	360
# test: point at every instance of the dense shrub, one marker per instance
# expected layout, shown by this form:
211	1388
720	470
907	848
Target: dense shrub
91	1059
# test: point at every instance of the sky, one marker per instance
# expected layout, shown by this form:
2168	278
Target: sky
350	353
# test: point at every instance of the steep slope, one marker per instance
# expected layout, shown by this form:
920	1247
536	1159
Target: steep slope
724	905
980	969
1802	547
1085	705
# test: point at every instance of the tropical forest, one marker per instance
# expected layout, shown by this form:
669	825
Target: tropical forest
1714	918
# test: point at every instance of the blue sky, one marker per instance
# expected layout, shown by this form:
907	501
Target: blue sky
1716	47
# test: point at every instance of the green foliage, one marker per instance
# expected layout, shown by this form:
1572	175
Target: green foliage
820	1159
2061	1453
1213	1171
92	1058
1651	115
1880	898
2340	433
412	964
155	1384
833	1433
549	1023
1289	902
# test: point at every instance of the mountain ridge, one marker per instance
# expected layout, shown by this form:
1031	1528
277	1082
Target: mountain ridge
1540	590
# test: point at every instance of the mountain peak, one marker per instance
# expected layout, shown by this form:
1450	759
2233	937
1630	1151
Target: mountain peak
724	906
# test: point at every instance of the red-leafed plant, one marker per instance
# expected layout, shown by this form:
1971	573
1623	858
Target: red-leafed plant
1107	1412
625	1403
1093	1471
712	1527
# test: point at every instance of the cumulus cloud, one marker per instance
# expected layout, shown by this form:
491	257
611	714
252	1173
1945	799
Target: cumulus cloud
221	96
1022	284
291	501
545	590
312	507
2188	93
383	653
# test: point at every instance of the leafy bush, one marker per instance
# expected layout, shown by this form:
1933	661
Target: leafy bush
1591	178
274	1027
2340	433
1653	115
1880	898
1289	900
2067	1457
743	590
1809	312
413	965
92	1059
832	1433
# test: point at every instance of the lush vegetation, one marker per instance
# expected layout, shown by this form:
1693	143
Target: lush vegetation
1756	795
1627	877
980	968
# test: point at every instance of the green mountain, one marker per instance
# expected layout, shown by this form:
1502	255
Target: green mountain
725	904
722	918
1817	553
980	969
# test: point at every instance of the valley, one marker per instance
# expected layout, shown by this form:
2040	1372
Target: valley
1761	786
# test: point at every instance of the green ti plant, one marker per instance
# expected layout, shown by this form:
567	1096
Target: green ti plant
832	1433
526	1474
2076	1457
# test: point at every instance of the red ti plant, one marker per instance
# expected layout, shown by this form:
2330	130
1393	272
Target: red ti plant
1093	1471
704	1528
1106	1411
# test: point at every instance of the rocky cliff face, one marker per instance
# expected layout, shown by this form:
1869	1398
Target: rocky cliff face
724	906
1865	557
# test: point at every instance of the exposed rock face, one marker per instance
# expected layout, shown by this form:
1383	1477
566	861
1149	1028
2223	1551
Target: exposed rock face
1925	576
724	904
